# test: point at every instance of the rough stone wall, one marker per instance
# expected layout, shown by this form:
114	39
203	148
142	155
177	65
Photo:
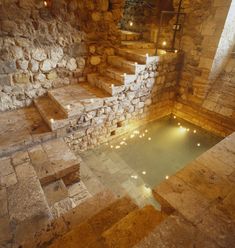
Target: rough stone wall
44	47
204	25
151	97
145	14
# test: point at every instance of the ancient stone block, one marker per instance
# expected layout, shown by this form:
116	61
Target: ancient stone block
95	60
7	67
52	75
39	54
71	64
47	65
22	78
5	80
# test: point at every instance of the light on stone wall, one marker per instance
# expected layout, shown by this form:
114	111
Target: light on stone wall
164	43
131	23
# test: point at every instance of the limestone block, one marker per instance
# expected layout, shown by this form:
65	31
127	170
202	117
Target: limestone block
57	54
23	64
95	60
47	65
71	64
34	65
17	52
96	16
7	67
92	49
22	78
5	101
40	77
26	200
39	54
52	75
5	80
81	62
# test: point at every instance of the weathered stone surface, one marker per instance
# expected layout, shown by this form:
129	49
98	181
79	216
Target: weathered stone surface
95	60
39	54
47	65
132	228
23	78
26	200
55	192
71	64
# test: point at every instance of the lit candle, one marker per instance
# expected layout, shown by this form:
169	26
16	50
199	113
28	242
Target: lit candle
164	43
45	3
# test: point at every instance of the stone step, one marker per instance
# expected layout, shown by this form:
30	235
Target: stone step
88	233
51	164
110	85
142	56
138	45
129	36
133	227
120	75
175	231
79	98
58	227
51	113
130	66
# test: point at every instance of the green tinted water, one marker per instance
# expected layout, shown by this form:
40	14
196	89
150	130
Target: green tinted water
161	148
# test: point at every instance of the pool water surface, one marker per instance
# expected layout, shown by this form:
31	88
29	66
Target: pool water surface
146	156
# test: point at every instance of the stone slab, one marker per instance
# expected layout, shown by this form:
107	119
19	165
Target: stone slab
26	200
55	192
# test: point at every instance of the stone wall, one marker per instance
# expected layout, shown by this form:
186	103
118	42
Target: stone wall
151	97
45	47
144	14
205	22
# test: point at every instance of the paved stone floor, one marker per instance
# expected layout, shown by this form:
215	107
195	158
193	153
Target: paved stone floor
116	175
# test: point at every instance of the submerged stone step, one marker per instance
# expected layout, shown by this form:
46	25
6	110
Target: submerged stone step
88	233
75	99
133	227
51	113
130	36
53	160
110	85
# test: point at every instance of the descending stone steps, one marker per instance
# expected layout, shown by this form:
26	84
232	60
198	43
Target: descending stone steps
132	228
88	233
51	164
129	36
110	85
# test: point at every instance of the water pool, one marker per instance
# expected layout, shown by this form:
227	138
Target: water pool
150	154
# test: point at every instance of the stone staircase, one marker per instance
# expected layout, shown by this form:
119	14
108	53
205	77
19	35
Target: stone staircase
69	103
121	224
